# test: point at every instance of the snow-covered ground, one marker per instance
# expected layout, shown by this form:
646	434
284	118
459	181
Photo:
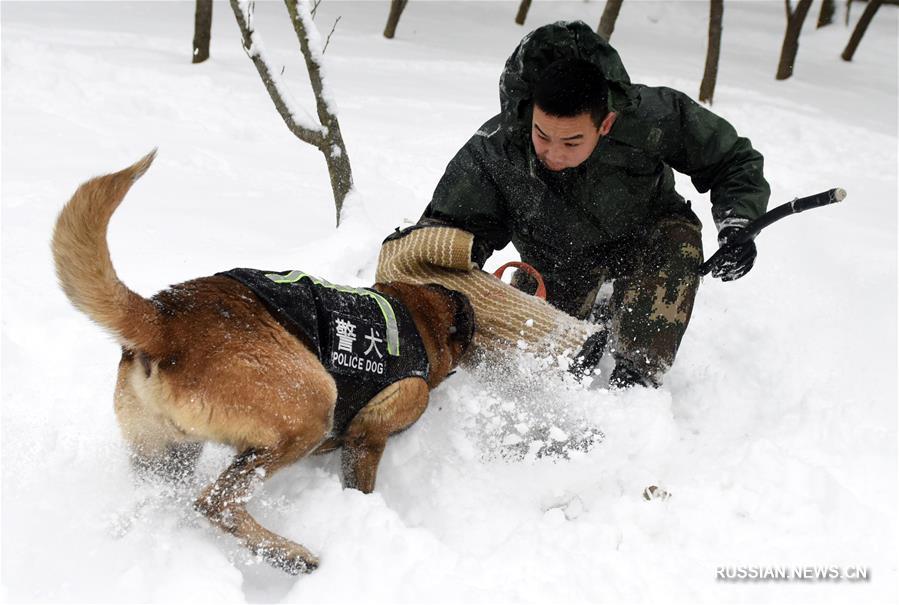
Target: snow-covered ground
776	431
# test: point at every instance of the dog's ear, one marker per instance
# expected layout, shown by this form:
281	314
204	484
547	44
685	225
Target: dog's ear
463	327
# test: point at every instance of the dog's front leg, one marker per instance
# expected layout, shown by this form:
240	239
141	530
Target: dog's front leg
392	410
360	463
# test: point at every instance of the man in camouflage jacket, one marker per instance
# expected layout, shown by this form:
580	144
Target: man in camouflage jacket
588	197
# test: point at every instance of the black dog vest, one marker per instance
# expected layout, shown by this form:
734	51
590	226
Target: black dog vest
367	340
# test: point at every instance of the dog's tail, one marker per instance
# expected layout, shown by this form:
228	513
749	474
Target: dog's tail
85	269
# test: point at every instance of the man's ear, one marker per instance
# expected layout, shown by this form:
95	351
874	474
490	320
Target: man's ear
607	122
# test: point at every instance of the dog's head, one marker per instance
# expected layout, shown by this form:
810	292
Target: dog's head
461	332
445	316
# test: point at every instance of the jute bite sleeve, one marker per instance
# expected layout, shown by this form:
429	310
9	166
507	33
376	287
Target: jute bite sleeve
505	317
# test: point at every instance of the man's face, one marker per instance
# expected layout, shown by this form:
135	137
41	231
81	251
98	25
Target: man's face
562	143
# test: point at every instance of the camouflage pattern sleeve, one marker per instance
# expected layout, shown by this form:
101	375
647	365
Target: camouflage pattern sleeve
707	148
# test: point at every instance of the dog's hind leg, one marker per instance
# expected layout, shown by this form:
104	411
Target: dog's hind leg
158	447
175	463
392	410
224	501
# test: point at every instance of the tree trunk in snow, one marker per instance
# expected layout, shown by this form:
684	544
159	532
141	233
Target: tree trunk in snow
795	19
393	18
710	76
326	137
202	30
860	28
609	16
523	9
825	17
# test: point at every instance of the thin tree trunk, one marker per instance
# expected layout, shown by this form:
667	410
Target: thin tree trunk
710	76
202	30
860	28
609	16
848	10
393	18
790	46
825	17
334	150
523	9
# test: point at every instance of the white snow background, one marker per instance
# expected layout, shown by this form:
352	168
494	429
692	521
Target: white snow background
776	430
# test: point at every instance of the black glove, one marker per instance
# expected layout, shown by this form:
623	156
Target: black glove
734	259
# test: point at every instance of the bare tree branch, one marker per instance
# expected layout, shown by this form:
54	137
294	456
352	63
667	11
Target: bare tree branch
393	17
334	149
790	47
523	9
825	17
328	40
245	22
860	28
710	75
312	64
202	30
608	19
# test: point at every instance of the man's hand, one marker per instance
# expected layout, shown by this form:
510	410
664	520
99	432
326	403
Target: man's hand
735	259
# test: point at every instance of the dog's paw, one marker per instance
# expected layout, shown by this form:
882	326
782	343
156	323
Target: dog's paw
295	561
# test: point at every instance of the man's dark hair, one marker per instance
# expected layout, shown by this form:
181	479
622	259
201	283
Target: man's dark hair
570	87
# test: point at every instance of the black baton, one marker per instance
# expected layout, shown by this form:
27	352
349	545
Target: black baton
800	204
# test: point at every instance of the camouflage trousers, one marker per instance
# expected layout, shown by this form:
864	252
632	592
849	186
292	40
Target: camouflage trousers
654	282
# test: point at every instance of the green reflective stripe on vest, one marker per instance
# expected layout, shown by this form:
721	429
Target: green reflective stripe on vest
393	333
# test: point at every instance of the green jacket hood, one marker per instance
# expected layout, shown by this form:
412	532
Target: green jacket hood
550	43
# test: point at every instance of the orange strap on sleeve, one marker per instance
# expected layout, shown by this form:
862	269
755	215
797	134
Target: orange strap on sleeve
541	287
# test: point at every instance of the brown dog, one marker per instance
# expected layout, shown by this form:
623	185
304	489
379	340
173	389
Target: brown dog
206	361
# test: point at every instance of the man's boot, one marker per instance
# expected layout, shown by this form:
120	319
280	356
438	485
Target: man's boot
590	354
625	375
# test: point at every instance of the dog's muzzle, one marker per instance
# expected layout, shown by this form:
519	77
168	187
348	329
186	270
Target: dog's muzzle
463	320
463	327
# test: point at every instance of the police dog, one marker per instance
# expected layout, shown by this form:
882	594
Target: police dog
206	361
